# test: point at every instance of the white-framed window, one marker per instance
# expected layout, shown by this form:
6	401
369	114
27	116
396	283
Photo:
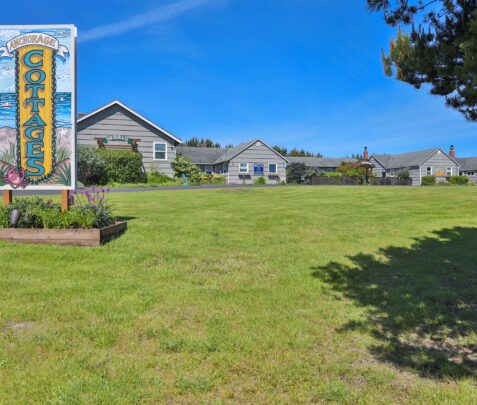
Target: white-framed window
243	168
428	171
160	150
209	169
471	173
449	171
272	168
392	173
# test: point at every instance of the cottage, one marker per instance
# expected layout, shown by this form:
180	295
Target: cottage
322	164
468	167
117	126
242	164
430	162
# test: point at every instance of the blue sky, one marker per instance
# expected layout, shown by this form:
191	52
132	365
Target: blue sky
303	73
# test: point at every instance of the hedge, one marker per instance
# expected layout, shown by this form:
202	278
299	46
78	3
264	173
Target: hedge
123	166
459	180
428	181
91	166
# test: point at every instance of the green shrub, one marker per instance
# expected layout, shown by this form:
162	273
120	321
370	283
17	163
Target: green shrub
123	166
212	179
91	165
332	174
184	167
404	174
459	180
260	181
442	183
296	172
428	181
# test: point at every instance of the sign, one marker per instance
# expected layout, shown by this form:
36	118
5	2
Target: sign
118	138
37	107
258	169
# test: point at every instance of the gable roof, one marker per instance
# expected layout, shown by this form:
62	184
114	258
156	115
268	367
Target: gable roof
321	162
232	152
469	163
212	156
408	159
130	110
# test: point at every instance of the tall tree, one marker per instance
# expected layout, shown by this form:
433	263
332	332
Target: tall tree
441	51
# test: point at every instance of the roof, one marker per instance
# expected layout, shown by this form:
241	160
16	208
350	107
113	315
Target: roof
142	118
213	156
321	162
408	159
469	163
199	155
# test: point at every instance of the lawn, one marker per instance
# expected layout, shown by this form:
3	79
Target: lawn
266	295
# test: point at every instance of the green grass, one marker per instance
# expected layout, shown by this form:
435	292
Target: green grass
267	295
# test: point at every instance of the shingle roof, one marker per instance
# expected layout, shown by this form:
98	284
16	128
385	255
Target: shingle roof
211	156
404	159
469	163
201	155
321	162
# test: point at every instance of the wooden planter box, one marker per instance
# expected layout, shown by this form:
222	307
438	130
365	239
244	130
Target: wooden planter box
73	237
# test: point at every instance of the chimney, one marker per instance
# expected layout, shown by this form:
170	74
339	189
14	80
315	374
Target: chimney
365	154
452	152
81	114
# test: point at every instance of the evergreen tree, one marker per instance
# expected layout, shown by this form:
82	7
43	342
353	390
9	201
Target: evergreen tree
441	51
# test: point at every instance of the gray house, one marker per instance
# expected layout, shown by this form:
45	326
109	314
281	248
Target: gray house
430	162
468	167
321	164
242	164
117	126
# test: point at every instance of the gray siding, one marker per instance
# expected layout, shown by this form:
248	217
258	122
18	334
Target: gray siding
378	169
439	160
256	154
117	121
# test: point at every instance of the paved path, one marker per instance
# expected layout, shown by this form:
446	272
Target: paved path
20	193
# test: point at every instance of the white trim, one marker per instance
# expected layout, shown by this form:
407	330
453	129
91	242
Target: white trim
276	168
253	143
117	102
240	168
435	151
154	151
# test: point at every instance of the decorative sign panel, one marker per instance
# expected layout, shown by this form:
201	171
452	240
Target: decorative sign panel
37	107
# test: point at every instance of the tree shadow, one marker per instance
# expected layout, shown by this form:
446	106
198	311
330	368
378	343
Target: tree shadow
421	302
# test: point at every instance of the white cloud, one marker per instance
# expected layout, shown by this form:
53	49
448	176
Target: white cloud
6	35
162	13
9	72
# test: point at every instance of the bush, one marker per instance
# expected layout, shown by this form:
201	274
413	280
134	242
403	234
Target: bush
442	183
184	167
459	180
296	172
260	181
90	210
212	178
123	166
91	166
404	175
332	174
428	181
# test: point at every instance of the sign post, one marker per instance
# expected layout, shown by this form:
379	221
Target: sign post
37	109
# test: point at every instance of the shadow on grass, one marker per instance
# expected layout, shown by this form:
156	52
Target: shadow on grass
421	301
124	218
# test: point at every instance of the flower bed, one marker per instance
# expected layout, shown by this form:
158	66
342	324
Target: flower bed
89	222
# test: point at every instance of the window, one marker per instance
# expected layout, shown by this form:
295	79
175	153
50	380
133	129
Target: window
243	168
258	169
391	173
428	171
209	169
470	173
272	168
449	172
160	151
